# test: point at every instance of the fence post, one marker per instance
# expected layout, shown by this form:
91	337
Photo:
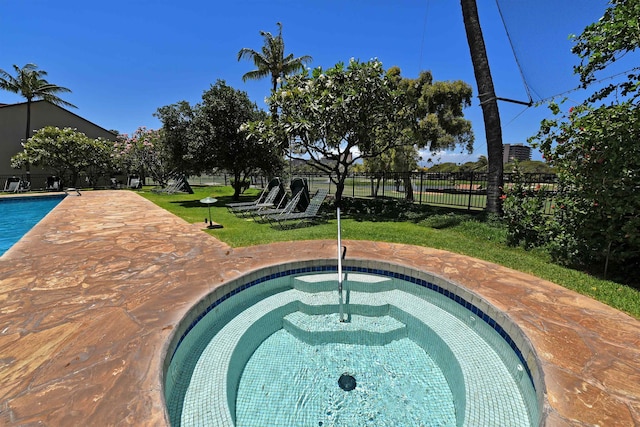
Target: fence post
353	185
470	189
421	180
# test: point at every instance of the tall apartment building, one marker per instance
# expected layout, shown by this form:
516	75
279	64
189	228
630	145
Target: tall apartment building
511	152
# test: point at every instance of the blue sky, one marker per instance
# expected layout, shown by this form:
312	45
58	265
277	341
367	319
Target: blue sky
125	59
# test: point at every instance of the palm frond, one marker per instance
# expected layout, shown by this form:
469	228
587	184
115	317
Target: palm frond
255	75
272	60
30	83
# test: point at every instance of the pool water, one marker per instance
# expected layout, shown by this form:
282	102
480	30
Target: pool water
18	215
271	351
396	384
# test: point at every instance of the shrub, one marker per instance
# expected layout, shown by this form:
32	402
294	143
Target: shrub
597	156
523	206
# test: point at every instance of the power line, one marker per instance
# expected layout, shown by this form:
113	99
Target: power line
524	80
424	31
595	82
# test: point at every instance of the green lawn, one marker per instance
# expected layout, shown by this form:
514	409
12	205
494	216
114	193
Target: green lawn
463	233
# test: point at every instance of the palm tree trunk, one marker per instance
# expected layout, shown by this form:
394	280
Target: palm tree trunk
27	135
274	107
488	102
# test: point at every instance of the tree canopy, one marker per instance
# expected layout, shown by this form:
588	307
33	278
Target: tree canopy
66	151
329	114
335	117
220	141
210	136
604	42
594	148
436	121
176	120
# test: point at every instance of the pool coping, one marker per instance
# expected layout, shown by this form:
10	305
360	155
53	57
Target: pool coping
91	295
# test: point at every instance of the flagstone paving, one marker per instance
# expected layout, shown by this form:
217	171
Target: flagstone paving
90	296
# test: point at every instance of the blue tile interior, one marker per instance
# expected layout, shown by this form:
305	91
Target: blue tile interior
185	350
420	282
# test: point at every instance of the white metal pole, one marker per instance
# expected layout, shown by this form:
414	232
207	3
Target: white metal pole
340	267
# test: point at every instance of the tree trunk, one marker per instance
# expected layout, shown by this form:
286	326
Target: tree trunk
408	187
339	191
237	187
27	136
273	107
375	185
26	133
488	102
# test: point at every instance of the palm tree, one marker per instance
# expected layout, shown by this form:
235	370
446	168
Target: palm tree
488	101
271	61
30	83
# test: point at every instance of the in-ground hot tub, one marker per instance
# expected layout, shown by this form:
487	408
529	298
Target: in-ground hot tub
269	349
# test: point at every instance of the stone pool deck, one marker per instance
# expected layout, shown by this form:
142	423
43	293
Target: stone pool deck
90	296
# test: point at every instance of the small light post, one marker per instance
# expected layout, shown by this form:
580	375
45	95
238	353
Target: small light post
210	201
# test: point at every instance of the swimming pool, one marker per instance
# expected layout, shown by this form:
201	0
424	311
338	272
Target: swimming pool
18	215
238	347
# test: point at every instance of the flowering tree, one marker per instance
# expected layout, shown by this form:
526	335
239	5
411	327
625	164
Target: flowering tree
66	151
594	148
335	117
340	115
597	157
143	154
176	120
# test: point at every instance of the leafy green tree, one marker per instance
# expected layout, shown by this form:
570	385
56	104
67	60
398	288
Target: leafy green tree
210	136
594	149
66	151
402	159
30	83
447	167
272	62
434	121
176	121
437	119
530	166
218	139
337	116
604	42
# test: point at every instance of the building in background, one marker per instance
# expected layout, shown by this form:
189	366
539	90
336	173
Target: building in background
13	122
511	152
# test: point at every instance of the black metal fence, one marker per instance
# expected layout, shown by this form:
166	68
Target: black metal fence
460	189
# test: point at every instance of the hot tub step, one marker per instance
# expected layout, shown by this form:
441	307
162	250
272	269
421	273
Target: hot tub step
357	329
323	282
